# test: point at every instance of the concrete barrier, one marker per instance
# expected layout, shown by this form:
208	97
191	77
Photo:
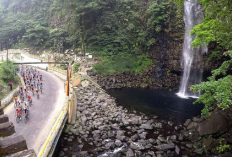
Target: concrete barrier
8	99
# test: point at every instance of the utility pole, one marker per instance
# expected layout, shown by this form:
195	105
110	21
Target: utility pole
7	51
67	85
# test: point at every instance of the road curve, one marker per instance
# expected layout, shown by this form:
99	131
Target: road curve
43	112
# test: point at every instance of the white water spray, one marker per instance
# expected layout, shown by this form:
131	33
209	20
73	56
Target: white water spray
191	58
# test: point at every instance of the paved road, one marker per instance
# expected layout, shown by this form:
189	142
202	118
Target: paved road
43	112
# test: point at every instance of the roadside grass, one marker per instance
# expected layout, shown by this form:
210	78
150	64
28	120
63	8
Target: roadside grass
5	89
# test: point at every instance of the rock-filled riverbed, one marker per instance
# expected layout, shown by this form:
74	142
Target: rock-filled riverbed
105	129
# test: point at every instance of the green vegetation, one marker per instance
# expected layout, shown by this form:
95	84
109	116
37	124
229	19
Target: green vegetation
216	30
223	147
7	74
112	29
127	63
76	67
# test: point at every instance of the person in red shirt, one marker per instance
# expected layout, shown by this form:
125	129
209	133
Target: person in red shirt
18	112
10	84
29	98
16	99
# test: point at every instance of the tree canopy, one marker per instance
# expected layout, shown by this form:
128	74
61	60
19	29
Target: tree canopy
112	29
216	29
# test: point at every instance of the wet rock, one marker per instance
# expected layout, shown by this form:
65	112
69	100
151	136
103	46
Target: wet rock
160	138
173	137
208	141
121	138
83	119
158	125
187	122
138	153
170	123
151	140
125	122
146	126
83	154
165	146
228	136
193	126
217	123
134	137
135	120
61	153
130	153
143	135
159	155
109	145
196	119
177	150
198	150
189	145
181	137
136	146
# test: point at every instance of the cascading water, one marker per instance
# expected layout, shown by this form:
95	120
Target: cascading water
191	58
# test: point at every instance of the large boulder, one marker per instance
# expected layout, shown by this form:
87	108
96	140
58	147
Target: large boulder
25	153
12	145
6	129
4	118
1	110
228	136
217	123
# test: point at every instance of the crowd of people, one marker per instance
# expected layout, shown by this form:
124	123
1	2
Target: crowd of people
32	85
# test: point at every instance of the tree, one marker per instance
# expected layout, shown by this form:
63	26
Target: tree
216	28
36	36
7	72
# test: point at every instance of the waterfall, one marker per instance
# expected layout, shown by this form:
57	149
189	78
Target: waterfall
191	58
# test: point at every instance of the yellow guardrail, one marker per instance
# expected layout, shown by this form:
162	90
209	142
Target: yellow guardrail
66	108
53	129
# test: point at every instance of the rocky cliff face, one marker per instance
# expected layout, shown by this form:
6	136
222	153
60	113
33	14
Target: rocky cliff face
166	56
166	74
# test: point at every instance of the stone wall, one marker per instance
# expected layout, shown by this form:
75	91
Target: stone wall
14	146
8	99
